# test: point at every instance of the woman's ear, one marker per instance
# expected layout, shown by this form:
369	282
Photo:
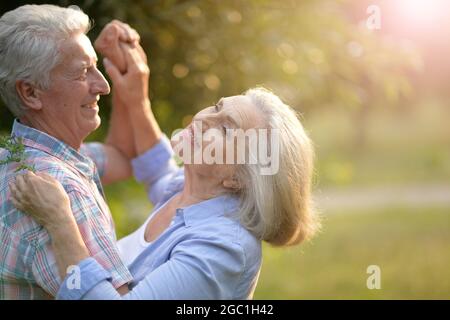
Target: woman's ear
29	94
232	183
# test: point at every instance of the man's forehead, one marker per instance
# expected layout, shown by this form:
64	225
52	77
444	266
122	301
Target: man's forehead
78	51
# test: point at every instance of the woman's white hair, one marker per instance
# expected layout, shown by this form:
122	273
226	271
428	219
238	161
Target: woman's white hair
29	46
278	208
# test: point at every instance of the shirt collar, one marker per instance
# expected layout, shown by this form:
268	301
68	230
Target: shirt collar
226	205
39	140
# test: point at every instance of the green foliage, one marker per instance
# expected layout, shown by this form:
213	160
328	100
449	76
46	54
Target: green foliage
16	151
308	51
401	148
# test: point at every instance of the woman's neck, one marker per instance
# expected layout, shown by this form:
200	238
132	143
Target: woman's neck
198	188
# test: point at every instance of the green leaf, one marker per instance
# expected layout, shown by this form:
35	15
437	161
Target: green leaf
16	150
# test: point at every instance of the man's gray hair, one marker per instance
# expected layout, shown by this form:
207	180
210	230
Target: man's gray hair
29	46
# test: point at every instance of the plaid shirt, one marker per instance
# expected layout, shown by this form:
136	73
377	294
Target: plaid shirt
28	269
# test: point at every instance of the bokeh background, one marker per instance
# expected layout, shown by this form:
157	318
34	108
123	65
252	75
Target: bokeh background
375	102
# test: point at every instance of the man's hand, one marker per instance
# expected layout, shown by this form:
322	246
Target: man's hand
119	144
130	90
131	86
108	42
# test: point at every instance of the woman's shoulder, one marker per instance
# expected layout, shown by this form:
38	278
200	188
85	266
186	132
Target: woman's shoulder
175	183
228	230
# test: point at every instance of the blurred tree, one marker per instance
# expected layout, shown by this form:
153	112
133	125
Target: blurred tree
307	51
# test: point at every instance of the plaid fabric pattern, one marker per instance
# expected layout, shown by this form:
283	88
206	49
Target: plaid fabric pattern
28	269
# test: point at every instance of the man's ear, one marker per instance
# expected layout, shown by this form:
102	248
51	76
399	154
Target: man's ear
29	94
232	183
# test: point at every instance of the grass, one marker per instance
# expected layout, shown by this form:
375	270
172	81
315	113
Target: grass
412	248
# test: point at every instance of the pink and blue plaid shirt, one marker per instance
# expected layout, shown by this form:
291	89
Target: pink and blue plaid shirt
28	269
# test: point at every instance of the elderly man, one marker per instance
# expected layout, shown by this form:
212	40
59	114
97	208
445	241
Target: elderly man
49	80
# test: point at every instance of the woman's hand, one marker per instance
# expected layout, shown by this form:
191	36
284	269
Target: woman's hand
108	42
43	197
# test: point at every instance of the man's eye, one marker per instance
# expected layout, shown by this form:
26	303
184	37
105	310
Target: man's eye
83	75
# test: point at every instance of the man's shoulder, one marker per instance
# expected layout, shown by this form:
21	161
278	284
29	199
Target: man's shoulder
43	162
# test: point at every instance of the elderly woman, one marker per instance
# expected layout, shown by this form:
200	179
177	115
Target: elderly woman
203	239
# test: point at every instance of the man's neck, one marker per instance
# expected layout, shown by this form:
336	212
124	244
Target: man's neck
61	135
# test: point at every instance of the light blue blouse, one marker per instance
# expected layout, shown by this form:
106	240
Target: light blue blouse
205	254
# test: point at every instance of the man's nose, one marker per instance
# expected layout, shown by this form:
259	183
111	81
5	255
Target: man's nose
100	86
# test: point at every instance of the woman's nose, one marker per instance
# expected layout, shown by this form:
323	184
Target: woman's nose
203	120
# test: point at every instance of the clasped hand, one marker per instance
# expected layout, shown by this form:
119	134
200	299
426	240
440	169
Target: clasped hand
125	62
